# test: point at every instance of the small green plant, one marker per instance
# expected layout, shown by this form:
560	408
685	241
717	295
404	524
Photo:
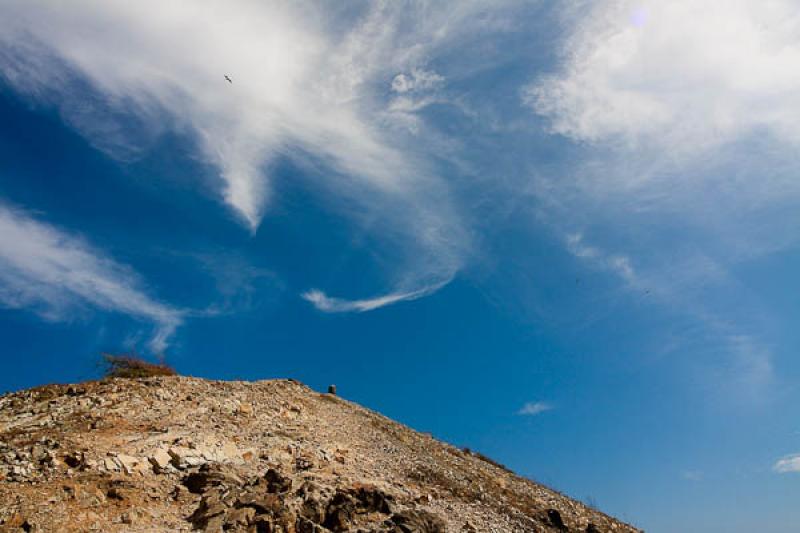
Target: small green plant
132	366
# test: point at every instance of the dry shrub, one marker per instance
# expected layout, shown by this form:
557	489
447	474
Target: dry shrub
131	366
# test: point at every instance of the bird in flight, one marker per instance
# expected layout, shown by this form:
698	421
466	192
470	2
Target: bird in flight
227	78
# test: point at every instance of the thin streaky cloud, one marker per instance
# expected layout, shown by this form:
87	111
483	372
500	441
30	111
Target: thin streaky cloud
52	273
619	264
748	374
534	408
328	304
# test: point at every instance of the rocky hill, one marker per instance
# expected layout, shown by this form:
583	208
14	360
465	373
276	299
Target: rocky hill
182	454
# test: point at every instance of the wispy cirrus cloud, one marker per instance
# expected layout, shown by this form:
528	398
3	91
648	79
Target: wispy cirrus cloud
311	83
53	273
743	367
683	140
534	408
286	91
617	263
328	304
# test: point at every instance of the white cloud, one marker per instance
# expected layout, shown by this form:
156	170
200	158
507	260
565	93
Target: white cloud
279	57
328	304
309	83
414	92
534	408
619	264
681	125
417	80
790	463
686	74
52	273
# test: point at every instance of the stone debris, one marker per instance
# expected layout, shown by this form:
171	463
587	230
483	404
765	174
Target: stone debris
130	464
268	504
160	459
185	454
183	458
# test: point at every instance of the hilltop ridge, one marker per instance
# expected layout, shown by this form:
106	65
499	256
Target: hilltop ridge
182	454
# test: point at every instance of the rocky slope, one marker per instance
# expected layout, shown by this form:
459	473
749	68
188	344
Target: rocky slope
182	454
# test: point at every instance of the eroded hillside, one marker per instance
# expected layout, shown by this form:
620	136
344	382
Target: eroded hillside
181	454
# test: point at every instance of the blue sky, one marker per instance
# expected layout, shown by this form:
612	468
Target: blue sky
562	233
